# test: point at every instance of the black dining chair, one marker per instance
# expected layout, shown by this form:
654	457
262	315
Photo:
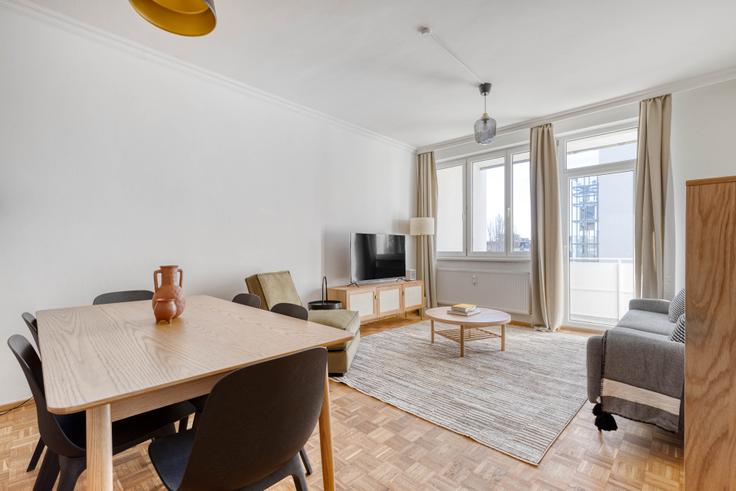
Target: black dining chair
32	324
248	299
123	296
65	436
255	421
298	312
292	310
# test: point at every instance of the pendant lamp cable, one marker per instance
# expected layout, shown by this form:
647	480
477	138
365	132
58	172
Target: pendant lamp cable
427	32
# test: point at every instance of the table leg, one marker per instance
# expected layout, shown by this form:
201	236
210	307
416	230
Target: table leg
432	322
503	337
99	448
325	440
462	341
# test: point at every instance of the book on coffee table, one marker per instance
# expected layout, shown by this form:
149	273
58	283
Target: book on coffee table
464	308
466	313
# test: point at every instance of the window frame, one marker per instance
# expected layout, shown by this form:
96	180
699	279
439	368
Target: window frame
471	198
447	165
564	175
468	163
510	232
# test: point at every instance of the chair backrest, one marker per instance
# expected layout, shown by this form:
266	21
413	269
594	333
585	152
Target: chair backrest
248	299
64	435
32	324
255	420
292	310
124	296
273	288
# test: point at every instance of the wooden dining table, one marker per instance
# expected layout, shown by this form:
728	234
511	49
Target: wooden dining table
113	361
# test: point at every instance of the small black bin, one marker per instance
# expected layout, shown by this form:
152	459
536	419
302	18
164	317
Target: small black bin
324	304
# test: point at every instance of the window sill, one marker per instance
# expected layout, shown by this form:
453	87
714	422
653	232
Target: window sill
489	259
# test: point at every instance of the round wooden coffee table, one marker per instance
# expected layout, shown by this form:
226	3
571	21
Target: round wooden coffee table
470	326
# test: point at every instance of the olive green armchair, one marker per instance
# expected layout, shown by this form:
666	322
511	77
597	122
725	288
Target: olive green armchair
278	287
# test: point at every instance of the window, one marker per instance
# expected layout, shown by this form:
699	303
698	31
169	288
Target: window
599	186
489	205
497	203
450	209
607	148
521	206
493	191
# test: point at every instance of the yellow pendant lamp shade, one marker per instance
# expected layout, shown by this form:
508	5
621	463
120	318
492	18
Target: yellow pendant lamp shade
185	17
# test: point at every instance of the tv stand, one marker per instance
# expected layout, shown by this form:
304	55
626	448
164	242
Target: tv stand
374	301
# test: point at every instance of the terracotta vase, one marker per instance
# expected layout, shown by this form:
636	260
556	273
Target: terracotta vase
169	288
164	309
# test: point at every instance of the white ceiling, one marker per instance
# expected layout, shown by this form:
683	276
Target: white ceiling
363	60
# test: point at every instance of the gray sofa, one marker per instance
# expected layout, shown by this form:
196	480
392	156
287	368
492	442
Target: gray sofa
636	371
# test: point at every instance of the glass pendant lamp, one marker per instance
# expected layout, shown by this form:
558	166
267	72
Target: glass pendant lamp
485	127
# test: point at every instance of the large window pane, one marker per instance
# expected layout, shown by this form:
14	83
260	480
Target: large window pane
601	246
489	206
450	203
521	204
619	146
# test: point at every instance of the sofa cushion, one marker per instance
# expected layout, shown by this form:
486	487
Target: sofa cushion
643	334
679	333
677	306
647	321
347	320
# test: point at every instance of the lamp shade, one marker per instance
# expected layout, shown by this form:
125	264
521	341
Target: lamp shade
485	129
184	17
421	226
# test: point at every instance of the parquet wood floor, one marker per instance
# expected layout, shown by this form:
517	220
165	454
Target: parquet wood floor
379	447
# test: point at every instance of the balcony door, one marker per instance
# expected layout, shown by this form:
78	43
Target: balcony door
598	196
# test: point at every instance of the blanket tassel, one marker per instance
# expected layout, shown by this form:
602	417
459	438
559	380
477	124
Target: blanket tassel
603	420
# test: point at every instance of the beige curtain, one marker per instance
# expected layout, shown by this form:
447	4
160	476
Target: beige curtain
427	207
652	178
547	274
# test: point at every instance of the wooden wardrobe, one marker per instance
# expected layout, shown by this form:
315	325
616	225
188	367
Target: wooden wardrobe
710	348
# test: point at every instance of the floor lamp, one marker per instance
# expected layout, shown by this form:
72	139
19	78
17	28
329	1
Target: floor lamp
419	226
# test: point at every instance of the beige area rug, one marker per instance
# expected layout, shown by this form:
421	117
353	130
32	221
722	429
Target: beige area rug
516	401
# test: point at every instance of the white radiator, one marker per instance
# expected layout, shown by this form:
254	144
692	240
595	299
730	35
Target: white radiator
509	291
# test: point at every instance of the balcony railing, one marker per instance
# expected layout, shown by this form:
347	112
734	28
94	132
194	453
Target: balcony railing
600	289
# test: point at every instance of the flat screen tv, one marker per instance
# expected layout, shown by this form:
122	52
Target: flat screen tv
375	257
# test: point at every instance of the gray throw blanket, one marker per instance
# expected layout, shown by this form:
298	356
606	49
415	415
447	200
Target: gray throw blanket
642	379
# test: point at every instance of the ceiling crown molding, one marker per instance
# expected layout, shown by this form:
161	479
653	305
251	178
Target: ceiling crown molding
71	25
682	85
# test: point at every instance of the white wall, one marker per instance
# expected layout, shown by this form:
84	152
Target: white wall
703	127
112	163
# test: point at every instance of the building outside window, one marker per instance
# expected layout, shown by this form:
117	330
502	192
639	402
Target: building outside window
584	216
